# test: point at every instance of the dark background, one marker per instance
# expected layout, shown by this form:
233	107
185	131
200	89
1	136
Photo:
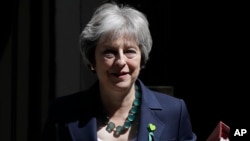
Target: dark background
199	48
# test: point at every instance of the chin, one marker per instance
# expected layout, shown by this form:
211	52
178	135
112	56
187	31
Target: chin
123	84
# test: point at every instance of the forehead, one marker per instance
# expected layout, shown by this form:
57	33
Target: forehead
114	39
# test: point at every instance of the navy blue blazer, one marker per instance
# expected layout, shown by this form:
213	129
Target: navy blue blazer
73	117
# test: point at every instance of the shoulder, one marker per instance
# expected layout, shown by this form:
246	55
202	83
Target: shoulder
72	106
169	101
164	99
66	102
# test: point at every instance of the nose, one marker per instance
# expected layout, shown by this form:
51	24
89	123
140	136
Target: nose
120	60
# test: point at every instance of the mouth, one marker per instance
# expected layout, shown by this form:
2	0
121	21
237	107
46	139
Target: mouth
120	74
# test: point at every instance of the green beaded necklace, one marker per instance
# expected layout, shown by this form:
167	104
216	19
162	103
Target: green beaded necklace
118	130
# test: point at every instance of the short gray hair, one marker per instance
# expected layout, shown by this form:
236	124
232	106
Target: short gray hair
118	20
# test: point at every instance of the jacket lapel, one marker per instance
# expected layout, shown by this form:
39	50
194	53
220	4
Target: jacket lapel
86	132
149	106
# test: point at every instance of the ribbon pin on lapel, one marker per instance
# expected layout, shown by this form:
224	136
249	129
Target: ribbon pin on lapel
151	129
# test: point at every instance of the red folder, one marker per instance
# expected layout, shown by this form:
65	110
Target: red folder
221	132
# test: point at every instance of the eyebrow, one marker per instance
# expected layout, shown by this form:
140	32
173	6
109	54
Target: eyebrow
109	47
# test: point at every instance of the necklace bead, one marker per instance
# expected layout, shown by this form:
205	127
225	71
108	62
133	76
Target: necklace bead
110	127
133	110
136	102
131	117
119	130
137	95
127	124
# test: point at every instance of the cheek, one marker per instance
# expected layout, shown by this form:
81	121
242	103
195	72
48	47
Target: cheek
103	63
135	64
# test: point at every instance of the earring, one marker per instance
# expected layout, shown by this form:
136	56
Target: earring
92	68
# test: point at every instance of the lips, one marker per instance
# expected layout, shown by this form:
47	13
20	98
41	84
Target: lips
120	74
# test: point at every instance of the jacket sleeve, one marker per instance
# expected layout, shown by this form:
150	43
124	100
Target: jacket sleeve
185	129
54	128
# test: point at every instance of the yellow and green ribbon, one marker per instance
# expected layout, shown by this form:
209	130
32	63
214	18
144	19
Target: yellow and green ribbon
151	129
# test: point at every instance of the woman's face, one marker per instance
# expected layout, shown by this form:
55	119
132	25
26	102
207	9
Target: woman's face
117	62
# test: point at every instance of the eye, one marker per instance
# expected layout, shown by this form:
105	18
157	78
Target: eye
131	53
109	53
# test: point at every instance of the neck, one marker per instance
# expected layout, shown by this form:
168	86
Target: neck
117	102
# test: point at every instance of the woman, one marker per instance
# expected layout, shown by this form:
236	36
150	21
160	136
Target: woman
115	45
